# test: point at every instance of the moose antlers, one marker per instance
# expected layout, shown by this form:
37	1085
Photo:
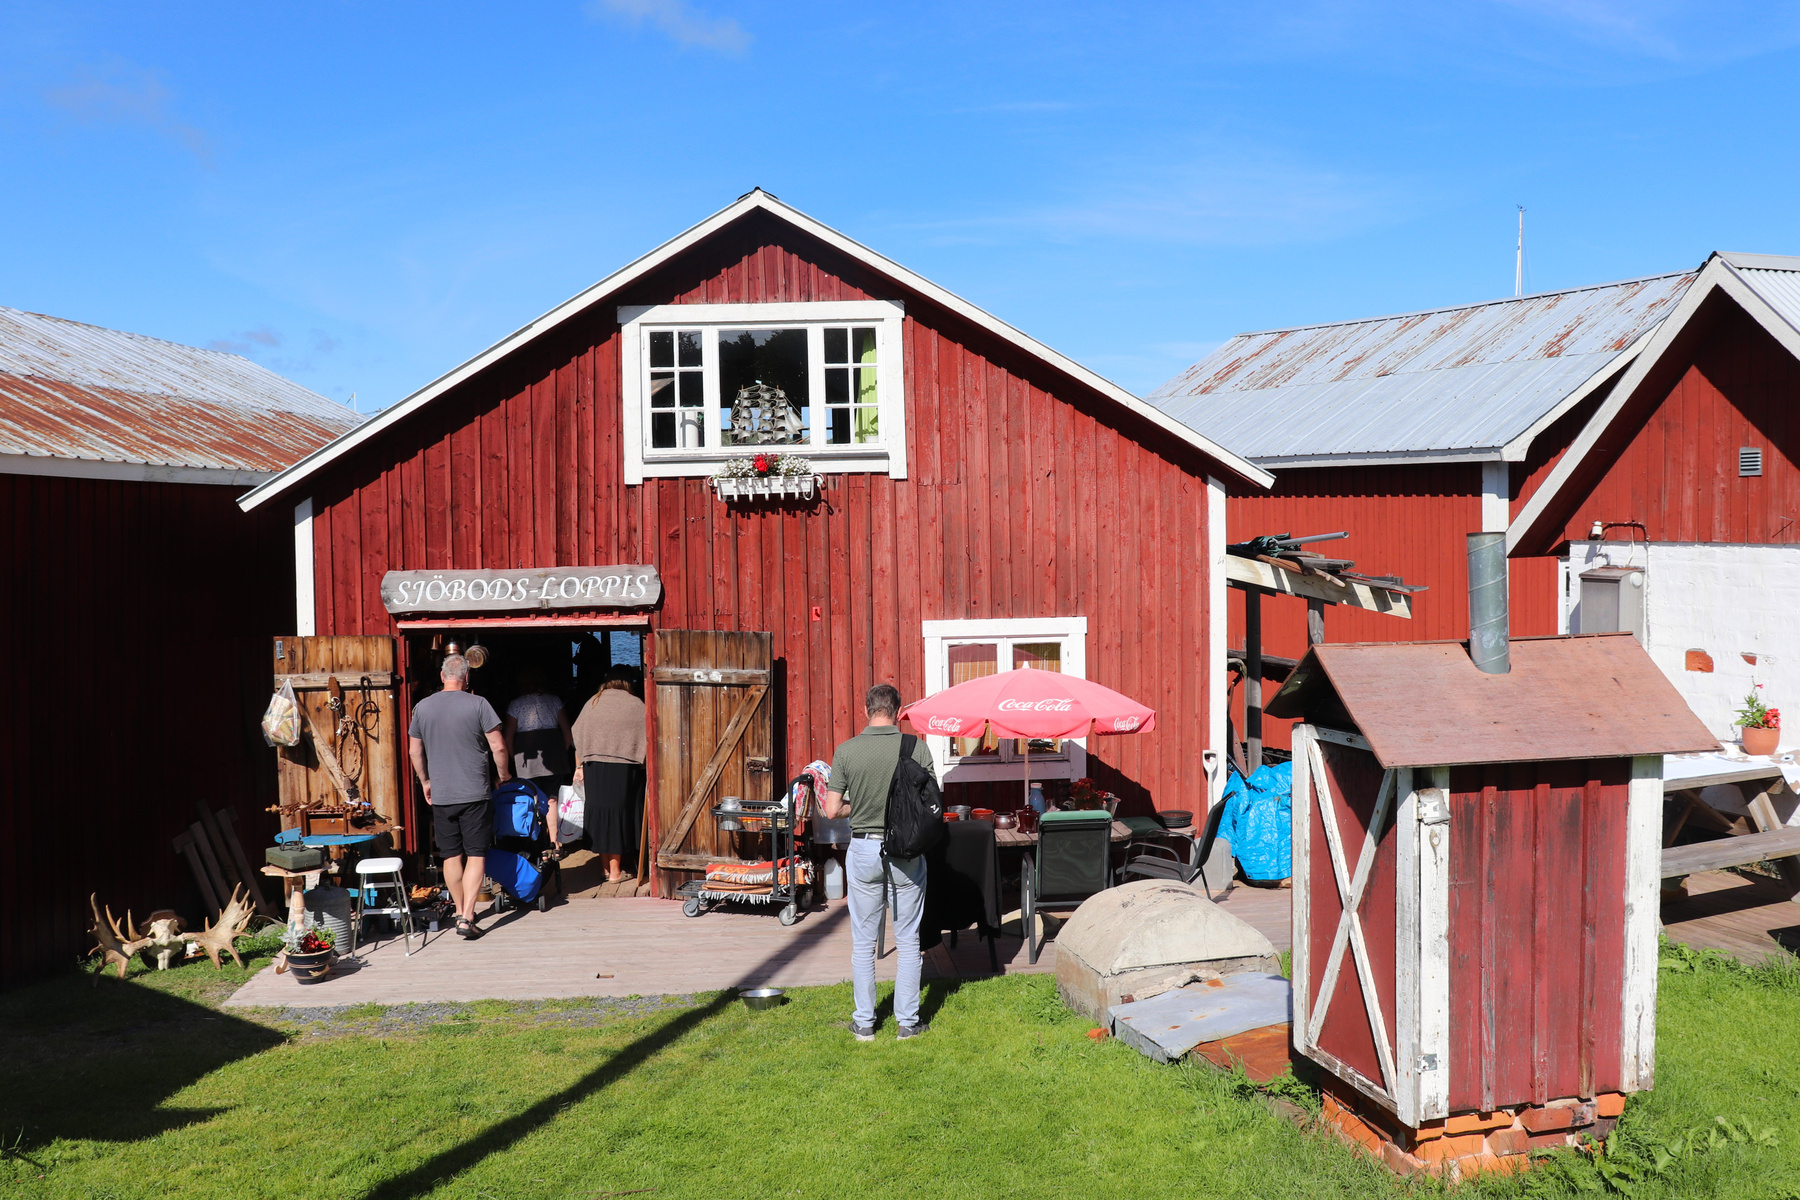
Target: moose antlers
115	945
222	934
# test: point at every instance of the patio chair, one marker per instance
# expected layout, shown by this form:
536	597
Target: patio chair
1155	860
1072	861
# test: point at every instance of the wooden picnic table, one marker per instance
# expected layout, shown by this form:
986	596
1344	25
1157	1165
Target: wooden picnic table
1772	840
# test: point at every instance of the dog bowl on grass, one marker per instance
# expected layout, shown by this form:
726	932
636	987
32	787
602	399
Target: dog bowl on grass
758	999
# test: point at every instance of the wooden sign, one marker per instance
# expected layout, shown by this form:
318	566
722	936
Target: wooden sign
507	591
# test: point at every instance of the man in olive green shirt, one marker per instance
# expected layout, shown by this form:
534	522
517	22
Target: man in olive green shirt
861	772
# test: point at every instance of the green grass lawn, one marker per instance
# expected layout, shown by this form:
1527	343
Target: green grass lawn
145	1089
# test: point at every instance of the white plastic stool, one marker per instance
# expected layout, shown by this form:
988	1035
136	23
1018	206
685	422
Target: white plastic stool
375	875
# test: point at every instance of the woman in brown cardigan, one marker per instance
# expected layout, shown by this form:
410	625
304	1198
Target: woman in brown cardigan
609	746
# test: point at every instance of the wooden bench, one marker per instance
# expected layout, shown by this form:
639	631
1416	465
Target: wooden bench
1772	841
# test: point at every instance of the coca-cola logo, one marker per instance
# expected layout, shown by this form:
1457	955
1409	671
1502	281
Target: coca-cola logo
1126	724
1036	705
945	724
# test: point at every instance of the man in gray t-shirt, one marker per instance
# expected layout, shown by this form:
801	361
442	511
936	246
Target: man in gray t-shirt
453	734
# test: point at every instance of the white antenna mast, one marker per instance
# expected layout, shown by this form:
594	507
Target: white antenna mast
1519	263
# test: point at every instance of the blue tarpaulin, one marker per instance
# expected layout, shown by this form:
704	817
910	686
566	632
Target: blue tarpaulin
1258	821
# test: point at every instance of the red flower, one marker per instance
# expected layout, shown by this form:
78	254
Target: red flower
1774	718
761	463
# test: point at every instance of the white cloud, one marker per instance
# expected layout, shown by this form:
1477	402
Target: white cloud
683	24
128	96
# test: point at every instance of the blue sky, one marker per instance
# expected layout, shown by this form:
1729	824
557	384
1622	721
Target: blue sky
363	195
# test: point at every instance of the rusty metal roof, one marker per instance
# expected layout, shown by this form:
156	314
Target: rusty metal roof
84	394
1470	379
1774	277
1424	704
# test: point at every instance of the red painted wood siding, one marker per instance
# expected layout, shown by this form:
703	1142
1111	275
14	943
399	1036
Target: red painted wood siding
1677	468
1027	496
1537	917
1410	521
137	619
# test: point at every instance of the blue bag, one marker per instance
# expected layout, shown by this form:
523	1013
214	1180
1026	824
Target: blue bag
519	810
1258	821
521	880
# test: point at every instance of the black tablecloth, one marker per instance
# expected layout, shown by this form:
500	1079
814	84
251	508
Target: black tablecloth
962	882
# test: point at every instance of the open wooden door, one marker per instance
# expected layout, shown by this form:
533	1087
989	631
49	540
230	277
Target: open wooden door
352	747
714	738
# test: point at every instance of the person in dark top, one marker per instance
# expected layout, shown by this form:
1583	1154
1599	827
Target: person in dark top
453	734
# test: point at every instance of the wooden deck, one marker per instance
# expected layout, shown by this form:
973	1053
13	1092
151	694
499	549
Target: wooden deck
644	946
1746	918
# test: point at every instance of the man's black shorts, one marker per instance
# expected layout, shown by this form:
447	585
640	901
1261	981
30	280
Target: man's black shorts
466	829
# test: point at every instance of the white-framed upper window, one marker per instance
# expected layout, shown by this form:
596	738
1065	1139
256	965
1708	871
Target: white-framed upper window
703	383
958	651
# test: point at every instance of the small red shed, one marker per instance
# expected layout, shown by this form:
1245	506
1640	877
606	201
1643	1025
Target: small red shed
1476	862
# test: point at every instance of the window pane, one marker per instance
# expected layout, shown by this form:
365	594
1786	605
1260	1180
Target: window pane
693	389
662	430
662	349
662	389
1045	656
764	396
837	345
690	347
838	433
973	661
868	425
864	342
865	385
692	430
837	386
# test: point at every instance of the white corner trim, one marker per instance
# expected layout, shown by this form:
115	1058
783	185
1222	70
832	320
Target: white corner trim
1643	906
305	603
1073	632
1434	945
1217	634
1496	496
642	462
57	467
755	200
1717	275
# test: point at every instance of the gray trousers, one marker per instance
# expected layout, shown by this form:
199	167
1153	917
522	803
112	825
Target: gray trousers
866	884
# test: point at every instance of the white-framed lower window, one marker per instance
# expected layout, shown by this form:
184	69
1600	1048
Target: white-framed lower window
703	383
958	651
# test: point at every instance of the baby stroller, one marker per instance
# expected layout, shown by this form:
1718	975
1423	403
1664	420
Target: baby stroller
523	860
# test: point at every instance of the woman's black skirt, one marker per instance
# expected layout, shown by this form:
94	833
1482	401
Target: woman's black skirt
611	808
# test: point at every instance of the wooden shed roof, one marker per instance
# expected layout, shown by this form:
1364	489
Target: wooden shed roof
1425	704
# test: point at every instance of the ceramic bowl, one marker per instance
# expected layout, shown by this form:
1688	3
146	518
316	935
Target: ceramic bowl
982	814
952	815
1006	821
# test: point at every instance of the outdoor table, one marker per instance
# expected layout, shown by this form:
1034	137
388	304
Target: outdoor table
1017	838
1684	777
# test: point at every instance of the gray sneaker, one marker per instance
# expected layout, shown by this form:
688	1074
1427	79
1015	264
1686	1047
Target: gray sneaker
862	1033
912	1031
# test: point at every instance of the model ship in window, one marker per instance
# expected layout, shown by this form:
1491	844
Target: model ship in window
762	415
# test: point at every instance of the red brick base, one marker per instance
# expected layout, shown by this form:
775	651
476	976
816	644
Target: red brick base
1468	1144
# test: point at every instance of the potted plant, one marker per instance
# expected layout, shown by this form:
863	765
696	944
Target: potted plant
309	952
1759	725
1086	795
763	475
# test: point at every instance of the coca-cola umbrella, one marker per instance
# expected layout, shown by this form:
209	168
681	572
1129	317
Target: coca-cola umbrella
1027	703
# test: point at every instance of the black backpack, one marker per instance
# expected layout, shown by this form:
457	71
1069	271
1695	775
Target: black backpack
915	807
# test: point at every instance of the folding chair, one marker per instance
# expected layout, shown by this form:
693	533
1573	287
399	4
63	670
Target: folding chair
1159	861
1072	861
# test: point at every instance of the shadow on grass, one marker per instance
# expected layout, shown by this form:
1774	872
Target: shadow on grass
98	1063
497	1138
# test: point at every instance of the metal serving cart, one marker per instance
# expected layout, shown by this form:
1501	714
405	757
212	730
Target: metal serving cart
787	887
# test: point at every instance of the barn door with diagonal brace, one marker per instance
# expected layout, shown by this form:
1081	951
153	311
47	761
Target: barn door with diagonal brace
714	738
1347	906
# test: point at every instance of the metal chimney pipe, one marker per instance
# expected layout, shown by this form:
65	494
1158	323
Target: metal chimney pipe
1488	645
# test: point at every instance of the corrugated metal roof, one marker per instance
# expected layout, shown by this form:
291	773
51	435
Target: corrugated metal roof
1467	378
75	391
1773	277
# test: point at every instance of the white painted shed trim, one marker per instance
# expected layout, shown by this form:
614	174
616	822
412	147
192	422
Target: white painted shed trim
1719	274
752	201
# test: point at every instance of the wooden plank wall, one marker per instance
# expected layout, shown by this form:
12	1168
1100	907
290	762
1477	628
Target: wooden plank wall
1537	956
1678	472
1027	496
136	619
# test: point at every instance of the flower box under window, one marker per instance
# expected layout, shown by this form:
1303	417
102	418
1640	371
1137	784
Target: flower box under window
765	487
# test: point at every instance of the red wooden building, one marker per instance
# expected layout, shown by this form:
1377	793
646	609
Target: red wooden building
970	501
137	601
1409	432
1676	512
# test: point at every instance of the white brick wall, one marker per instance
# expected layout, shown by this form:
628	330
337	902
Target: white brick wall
1727	600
